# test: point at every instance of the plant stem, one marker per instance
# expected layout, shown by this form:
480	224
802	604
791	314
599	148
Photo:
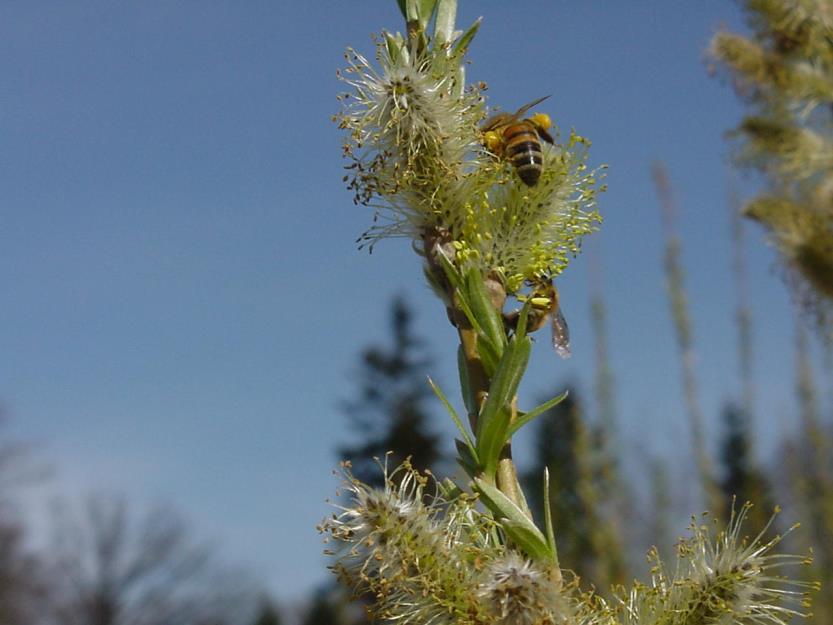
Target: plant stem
478	379
507	480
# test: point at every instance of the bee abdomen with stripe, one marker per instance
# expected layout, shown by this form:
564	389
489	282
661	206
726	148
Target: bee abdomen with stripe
523	149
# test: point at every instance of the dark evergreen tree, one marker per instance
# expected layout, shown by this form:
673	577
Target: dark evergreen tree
390	413
326	608
586	542
267	614
741	480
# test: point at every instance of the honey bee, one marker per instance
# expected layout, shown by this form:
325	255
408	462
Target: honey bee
544	306
508	135
558	324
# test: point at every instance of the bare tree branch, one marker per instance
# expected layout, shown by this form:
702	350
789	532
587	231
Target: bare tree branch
111	569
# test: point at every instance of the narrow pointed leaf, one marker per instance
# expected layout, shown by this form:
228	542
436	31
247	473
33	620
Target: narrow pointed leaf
462	45
493	420
451	272
489	351
523	320
548	517
412	11
518	527
394	47
454	416
488	354
488	317
465	384
426	10
466	458
525	417
444	24
449	490
463	303
529	538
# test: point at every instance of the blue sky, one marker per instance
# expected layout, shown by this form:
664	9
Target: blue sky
183	301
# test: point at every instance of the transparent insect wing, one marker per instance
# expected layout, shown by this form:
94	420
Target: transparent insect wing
526	107
500	119
560	334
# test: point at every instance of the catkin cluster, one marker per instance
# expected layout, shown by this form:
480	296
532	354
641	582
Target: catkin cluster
438	559
428	559
416	154
784	69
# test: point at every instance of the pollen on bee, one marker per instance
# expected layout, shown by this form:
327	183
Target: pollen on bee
542	120
492	140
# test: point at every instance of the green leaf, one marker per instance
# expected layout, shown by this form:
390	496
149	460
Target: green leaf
455	417
548	517
463	303
529	538
419	11
488	351
523	317
492	438
488	317
525	417
462	45
451	272
444	23
517	526
465	384
394	47
403	9
466	458
449	490
488	355
411	11
426	10
494	417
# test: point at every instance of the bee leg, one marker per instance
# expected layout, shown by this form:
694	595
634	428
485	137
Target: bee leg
535	320
545	135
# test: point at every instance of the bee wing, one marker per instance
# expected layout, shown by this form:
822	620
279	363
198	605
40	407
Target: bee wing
560	334
526	107
496	120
